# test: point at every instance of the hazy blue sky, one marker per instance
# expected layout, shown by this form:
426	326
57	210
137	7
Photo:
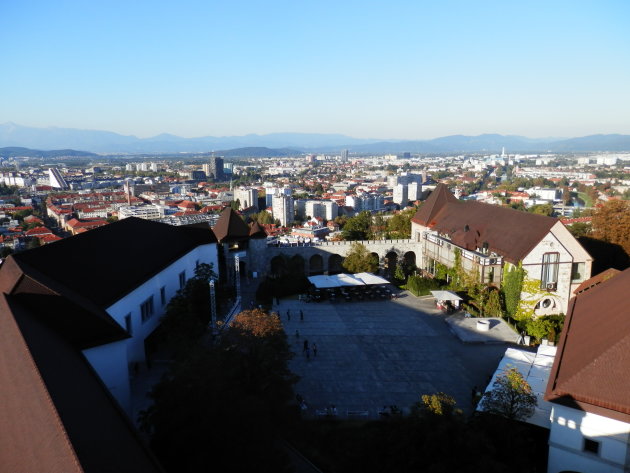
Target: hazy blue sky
395	69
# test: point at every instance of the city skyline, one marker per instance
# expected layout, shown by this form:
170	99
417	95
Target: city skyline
402	71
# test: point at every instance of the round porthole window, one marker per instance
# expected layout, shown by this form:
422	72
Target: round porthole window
546	303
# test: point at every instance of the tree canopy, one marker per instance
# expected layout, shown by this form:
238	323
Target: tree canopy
511	396
611	223
360	260
358	228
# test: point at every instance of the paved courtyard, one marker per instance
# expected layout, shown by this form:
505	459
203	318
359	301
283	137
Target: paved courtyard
379	353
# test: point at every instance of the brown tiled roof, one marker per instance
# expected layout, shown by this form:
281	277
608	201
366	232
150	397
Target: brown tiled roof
507	232
120	256
256	231
230	227
595	280
440	196
591	368
57	416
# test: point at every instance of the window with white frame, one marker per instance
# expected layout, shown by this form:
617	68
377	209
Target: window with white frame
549	273
146	309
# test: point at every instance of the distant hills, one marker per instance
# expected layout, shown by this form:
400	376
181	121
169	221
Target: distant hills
283	144
15	151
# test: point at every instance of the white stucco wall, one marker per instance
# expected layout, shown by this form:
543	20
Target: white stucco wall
167	278
110	362
569	428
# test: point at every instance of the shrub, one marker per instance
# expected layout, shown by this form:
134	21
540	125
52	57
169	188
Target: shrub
420	286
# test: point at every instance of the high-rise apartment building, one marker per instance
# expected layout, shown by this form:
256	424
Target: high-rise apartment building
400	194
282	209
247	196
214	169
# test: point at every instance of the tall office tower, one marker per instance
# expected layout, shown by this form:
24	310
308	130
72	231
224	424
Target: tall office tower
247	196
344	154
214	169
282	209
400	194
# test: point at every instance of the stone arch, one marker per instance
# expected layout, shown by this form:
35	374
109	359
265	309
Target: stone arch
378	260
547	305
316	264
409	262
297	265
334	264
391	259
278	265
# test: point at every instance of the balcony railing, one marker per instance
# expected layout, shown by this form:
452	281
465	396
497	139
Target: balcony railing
474	256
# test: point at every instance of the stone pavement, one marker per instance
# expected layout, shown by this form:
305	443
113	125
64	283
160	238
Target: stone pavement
466	330
379	353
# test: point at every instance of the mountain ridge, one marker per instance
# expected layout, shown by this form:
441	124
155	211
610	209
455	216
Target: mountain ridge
107	142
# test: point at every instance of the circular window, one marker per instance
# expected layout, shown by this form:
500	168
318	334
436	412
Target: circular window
546	303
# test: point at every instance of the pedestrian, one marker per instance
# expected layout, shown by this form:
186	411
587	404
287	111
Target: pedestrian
297	334
305	346
314	350
289	315
308	354
301	316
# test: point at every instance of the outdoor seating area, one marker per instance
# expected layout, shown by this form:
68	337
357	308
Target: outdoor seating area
349	294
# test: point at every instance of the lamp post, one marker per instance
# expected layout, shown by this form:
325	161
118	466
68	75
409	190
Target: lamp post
237	275
213	308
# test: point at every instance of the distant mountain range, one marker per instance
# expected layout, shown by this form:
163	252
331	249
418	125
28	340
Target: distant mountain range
15	151
12	135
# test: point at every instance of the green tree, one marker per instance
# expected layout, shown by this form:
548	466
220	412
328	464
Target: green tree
580	229
493	304
542	209
360	260
358	228
611	223
399	226
438	404
511	396
511	288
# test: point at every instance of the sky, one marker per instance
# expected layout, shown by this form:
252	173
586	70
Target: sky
415	69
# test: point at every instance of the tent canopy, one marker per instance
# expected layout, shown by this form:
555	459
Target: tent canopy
446	296
346	280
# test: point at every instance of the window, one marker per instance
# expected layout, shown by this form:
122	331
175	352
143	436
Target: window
163	295
128	325
146	309
591	446
182	279
549	276
577	272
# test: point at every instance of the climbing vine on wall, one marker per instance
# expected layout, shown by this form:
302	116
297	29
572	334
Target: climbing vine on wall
512	286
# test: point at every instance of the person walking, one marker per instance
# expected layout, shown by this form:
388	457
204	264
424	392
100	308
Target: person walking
314	350
305	346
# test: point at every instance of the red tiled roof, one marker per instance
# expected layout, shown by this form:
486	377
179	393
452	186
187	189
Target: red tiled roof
38	231
591	368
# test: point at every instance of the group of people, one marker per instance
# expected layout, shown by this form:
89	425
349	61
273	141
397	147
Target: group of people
306	350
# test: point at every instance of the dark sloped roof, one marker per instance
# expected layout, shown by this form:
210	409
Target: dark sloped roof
508	232
56	413
591	367
106	263
230	227
256	231
440	196
595	280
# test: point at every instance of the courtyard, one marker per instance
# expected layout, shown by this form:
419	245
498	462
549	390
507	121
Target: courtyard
372	354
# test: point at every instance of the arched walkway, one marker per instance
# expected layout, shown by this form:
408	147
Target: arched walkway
334	264
316	265
378	261
296	265
391	259
278	265
409	261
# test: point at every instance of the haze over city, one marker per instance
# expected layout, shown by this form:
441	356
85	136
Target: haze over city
405	70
